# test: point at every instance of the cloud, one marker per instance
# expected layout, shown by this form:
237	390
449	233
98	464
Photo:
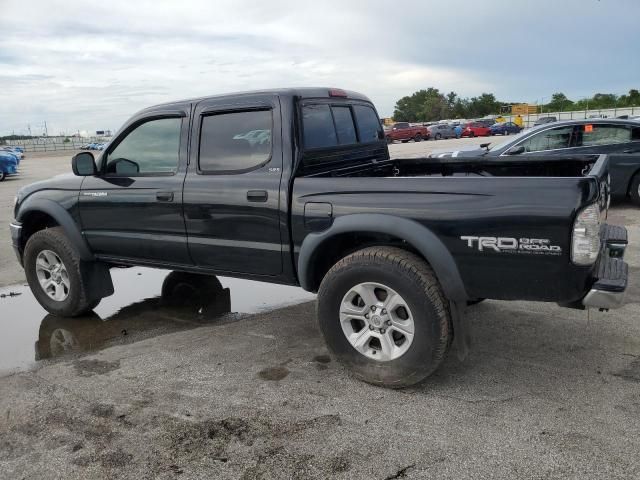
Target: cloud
90	65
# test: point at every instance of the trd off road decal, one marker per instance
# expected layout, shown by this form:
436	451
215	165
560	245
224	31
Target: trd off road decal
536	246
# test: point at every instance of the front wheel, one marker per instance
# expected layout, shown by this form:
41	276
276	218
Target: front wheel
417	138
2	176
52	267
383	314
438	136
471	134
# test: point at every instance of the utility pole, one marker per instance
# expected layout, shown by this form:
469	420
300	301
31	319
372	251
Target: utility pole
46	133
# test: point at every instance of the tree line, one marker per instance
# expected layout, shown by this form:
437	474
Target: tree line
431	105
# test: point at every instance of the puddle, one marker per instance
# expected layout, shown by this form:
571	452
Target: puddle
146	303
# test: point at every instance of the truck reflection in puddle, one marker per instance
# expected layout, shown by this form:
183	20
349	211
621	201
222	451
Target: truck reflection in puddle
187	301
147	303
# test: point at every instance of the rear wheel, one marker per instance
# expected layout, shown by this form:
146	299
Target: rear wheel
52	267
471	134
2	176
417	138
389	140
634	189
384	315
438	136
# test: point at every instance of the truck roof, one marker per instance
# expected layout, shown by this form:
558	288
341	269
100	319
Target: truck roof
302	92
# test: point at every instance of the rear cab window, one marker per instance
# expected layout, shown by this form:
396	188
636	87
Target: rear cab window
325	125
340	134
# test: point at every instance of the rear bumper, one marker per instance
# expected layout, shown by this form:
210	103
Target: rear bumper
612	273
16	236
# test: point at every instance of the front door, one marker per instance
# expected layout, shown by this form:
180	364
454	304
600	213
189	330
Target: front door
232	198
133	208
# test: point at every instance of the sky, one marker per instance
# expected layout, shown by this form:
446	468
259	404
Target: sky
86	66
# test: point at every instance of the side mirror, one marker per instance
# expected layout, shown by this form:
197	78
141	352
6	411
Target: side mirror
83	164
515	150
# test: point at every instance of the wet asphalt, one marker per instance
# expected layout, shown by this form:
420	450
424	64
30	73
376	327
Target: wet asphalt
185	385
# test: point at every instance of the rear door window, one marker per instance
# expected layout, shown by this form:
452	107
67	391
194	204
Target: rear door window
235	141
592	135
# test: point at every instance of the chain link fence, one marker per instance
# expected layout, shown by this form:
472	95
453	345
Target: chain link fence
52	144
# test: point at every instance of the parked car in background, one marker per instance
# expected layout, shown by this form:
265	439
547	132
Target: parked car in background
8	164
404	132
505	128
11	151
619	139
544	121
487	122
476	129
442	130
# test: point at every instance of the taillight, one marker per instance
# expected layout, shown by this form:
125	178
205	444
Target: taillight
337	92
585	244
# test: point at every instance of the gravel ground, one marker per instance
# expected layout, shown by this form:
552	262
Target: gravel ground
546	392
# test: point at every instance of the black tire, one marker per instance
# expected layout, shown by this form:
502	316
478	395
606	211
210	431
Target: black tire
471	134
389	140
417	138
184	286
438	136
54	239
404	141
634	188
412	278
2	176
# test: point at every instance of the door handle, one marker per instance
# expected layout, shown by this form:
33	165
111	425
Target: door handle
164	196
257	195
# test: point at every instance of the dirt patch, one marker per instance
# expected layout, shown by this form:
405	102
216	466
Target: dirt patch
87	368
402	473
102	410
632	372
322	359
340	464
273	373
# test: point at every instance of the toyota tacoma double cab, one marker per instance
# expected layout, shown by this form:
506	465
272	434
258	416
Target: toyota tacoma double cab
297	187
404	132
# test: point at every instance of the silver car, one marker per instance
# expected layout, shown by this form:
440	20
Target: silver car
441	130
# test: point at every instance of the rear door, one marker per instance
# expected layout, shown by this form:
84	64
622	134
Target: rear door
133	208
621	142
232	189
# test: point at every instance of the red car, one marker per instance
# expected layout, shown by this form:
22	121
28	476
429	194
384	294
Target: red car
475	129
404	132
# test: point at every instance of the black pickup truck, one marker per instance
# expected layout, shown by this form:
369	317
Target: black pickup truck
297	187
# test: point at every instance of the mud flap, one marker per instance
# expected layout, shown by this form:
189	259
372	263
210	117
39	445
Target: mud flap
96	278
461	334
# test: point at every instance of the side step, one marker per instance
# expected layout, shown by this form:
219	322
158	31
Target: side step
615	239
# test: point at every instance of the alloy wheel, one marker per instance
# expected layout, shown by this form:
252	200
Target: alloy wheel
377	321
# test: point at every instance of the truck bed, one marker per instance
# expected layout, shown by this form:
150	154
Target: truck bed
531	199
573	166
